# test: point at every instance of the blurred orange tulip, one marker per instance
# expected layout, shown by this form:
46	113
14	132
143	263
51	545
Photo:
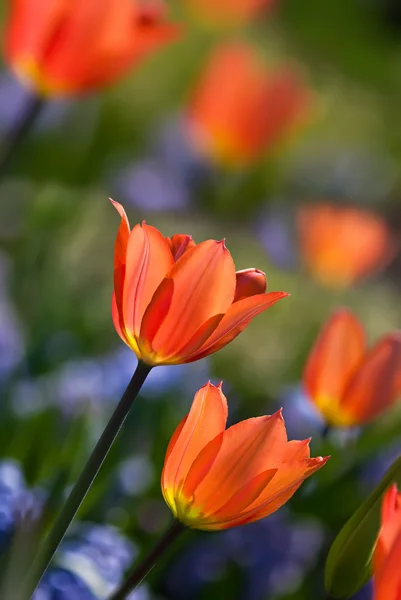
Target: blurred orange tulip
340	245
215	478
227	12
240	108
175	301
61	47
387	556
349	384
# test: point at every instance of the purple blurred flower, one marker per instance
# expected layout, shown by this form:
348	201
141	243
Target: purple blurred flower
89	565
164	181
275	230
13	98
94	382
274	555
60	584
17	502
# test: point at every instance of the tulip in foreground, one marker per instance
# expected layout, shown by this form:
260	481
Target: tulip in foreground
227	12
216	478
387	556
240	109
349	383
176	301
341	245
61	47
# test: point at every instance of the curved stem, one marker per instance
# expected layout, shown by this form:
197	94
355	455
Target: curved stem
146	565
83	483
327	429
16	135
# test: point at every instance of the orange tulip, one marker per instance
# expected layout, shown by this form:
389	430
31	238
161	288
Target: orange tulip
387	556
215	478
227	12
240	109
340	245
60	47
349	384
175	301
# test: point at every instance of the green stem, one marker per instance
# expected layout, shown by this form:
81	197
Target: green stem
83	483
146	565
327	429
16	135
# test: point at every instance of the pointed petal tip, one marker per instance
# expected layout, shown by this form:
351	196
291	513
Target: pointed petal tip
220	386
119	207
121	211
209	384
322	459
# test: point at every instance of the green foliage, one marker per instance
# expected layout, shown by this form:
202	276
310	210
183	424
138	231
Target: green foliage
348	564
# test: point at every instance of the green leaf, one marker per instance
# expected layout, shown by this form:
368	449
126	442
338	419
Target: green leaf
348	565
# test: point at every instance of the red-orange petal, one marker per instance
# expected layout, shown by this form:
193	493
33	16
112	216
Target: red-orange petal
281	488
180	243
390	526
387	581
334	358
248	449
249	283
239	315
296	450
148	261
204	284
243	498
374	386
120	254
206	419
363	243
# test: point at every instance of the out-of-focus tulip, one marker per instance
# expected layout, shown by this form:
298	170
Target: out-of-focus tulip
240	108
350	384
215	478
387	556
227	12
175	301
62	47
340	245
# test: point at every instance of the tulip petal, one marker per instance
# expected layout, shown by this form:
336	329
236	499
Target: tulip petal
180	243
244	497
334	358
282	487
248	449
29	23
148	261
120	259
154	315
206	419
239	315
296	450
119	326
390	528
374	387
387	582
288	479
249	283
198	339
204	284
363	243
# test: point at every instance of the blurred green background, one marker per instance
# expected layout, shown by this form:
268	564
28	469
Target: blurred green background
62	366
